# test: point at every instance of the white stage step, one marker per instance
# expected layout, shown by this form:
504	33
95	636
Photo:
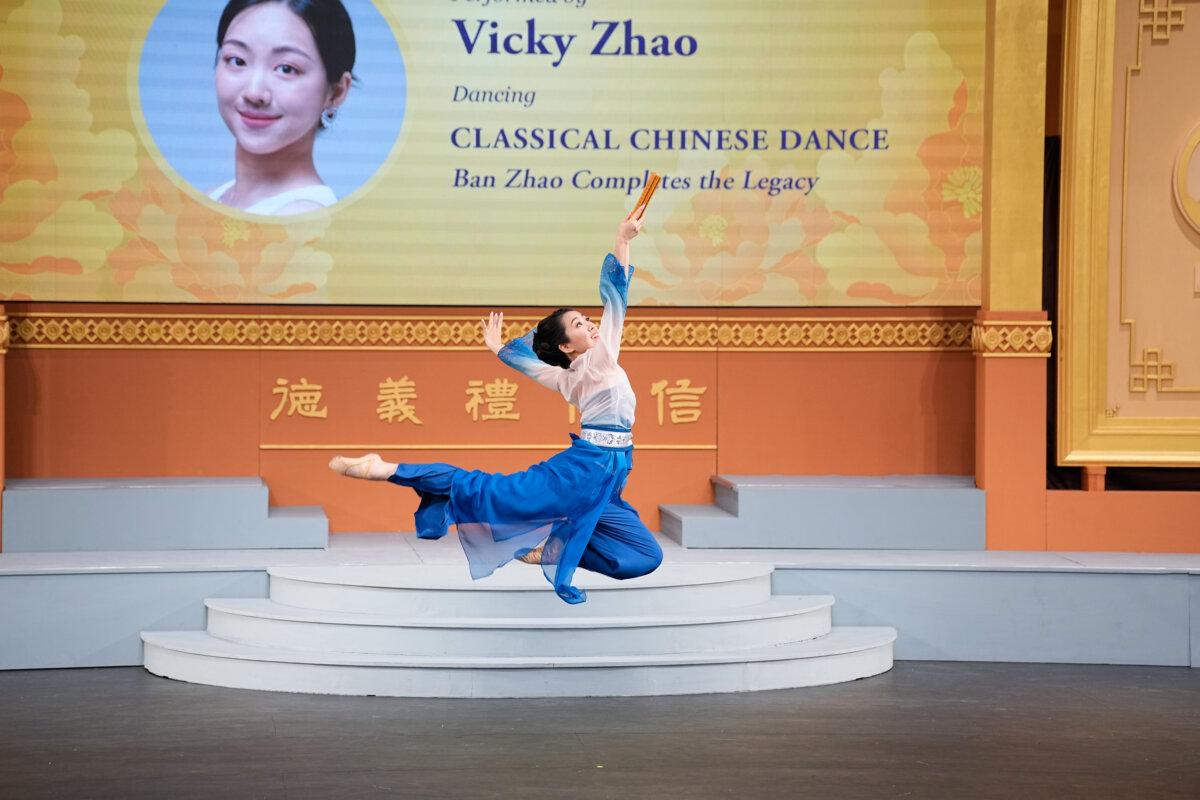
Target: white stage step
518	590
430	631
73	514
843	655
267	623
925	512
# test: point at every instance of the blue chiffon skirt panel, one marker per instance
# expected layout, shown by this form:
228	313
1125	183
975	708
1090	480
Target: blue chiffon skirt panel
560	500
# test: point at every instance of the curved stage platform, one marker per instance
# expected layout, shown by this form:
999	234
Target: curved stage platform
89	608
429	631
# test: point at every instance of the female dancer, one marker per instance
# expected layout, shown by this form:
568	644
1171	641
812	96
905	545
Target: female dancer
571	503
283	69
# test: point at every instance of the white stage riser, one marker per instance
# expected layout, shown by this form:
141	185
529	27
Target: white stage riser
1016	615
517	641
915	512
557	682
105	514
96	619
535	602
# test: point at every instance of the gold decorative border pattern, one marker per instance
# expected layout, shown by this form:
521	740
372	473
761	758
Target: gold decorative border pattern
5	333
264	332
798	335
992	339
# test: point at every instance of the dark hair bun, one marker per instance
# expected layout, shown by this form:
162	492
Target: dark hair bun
547	336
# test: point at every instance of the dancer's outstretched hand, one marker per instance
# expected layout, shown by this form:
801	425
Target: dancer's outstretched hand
493	331
632	226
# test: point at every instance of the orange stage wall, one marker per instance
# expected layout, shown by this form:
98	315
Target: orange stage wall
1148	522
129	412
146	412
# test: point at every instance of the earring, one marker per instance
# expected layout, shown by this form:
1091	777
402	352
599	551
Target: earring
328	117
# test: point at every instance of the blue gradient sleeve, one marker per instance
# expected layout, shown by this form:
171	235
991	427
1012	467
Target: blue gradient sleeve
519	355
614	293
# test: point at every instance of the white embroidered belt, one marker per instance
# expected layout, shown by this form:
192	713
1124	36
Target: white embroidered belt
607	438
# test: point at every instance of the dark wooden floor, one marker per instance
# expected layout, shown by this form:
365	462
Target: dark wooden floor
923	730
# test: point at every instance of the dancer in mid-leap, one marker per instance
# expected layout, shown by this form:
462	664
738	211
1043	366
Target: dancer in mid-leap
567	511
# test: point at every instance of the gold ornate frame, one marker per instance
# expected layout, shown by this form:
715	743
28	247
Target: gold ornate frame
1087	432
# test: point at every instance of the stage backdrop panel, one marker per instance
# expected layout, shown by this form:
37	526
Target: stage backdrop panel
812	153
1129	284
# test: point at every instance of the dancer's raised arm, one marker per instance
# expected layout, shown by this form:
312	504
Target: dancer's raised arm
614	286
518	353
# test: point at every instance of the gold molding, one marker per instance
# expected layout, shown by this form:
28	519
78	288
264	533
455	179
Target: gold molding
1086	434
1164	15
997	339
1014	154
1153	371
5	334
557	446
461	332
1188	206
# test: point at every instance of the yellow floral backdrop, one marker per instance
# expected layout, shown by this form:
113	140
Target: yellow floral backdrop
87	212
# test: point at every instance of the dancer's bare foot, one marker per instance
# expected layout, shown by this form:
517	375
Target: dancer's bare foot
534	556
371	467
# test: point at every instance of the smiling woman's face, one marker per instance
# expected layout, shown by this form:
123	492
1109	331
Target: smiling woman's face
582	333
271	84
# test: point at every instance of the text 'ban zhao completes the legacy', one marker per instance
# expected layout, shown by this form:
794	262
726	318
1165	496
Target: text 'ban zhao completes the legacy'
525	178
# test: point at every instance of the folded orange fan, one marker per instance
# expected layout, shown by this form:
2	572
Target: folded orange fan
647	193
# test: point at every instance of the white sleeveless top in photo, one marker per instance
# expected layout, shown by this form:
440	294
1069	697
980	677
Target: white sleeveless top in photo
316	193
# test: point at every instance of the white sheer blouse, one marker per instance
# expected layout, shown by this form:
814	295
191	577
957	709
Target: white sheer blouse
595	383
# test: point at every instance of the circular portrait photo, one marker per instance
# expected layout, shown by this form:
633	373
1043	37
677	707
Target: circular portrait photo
272	107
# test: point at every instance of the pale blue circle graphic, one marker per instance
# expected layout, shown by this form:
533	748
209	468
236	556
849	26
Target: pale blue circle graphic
178	100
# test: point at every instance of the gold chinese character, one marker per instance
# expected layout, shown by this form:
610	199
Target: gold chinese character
683	400
498	399
301	398
393	400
